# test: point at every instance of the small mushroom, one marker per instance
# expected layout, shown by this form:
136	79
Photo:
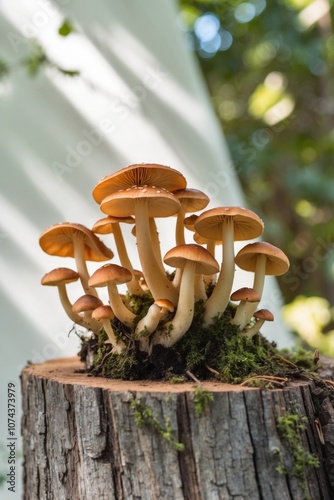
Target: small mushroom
193	259
67	239
262	258
60	277
228	224
111	275
105	314
191	200
86	305
244	295
261	316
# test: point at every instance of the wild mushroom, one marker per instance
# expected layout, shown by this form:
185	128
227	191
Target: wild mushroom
244	295
86	305
149	323
263	259
144	202
191	200
193	259
75	240
60	277
111	275
142	174
228	224
261	316
106	314
109	225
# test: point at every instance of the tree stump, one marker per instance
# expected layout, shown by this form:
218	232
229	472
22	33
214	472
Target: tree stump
93	438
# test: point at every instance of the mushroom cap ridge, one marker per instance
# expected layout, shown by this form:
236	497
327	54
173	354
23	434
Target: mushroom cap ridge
151	174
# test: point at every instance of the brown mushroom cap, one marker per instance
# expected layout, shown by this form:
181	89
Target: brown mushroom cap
191	199
264	314
86	303
103	312
277	262
105	225
179	255
246	294
110	272
150	174
190	221
58	240
59	275
166	304
160	202
247	224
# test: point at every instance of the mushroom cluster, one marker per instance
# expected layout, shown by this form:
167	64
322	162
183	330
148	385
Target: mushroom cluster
137	195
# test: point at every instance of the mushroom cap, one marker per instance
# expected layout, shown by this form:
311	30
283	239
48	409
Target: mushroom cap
58	240
179	255
191	199
105	225
203	241
59	275
246	294
160	202
264	314
86	303
103	312
165	304
151	174
190	221
247	224
277	262
110	272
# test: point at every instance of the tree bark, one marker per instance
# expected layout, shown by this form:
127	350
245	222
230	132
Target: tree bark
82	440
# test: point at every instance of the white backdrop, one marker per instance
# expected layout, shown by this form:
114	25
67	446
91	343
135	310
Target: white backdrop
140	98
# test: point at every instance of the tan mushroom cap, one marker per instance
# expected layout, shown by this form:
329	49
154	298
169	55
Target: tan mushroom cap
191	199
86	303
264	314
277	262
58	240
190	221
179	255
151	174
160	202
59	275
103	312
246	294
165	304
247	224
105	225
203	241
110	272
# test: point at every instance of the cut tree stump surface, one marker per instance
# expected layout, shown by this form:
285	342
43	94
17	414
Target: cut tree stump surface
81	439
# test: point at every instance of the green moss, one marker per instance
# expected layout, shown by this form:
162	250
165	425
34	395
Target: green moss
291	427
202	399
144	416
218	350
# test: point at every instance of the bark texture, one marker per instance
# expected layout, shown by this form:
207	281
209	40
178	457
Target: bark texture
81	440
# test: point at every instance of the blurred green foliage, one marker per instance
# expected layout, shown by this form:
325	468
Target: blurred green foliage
269	68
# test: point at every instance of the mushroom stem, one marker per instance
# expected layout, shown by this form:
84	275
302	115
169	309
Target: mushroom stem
174	330
65	302
200	292
80	262
120	310
118	345
156	243
250	332
133	286
219	299
258	284
179	229
156	279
